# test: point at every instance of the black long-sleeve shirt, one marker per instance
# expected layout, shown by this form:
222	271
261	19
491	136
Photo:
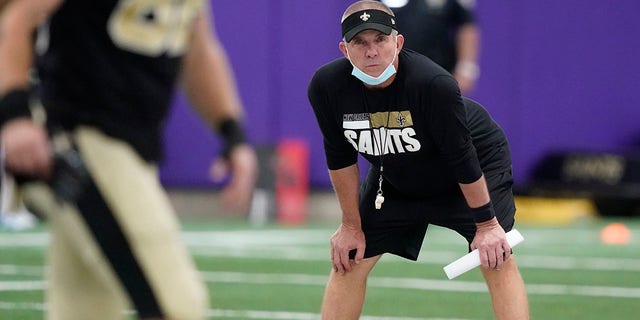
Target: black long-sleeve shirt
427	136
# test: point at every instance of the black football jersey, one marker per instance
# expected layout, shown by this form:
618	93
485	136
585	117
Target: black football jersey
113	64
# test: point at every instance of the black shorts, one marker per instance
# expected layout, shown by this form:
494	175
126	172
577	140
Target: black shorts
400	226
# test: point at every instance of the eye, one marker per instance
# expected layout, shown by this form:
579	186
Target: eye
381	38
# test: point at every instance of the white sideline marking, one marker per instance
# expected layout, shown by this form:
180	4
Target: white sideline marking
253	314
222	313
535	237
312	245
22	285
15	270
383	282
421	284
36	306
439	258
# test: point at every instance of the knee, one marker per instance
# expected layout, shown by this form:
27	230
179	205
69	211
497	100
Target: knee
358	274
508	271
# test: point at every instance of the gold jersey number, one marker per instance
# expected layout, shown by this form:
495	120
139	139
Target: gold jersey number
153	27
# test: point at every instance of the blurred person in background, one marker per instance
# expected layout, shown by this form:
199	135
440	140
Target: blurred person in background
445	31
435	158
85	143
14	216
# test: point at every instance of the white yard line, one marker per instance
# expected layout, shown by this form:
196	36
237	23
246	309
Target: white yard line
382	282
254	314
421	284
312	245
222	313
22	285
534	237
439	258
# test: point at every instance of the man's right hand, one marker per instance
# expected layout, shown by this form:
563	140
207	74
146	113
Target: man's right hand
345	239
243	167
27	149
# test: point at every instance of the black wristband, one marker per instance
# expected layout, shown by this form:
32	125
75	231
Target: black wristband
232	134
483	213
14	104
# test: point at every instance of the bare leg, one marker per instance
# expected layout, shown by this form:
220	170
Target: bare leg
344	295
507	290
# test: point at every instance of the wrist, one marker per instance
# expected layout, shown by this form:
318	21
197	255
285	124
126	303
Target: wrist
483	213
468	69
351	224
14	104
232	135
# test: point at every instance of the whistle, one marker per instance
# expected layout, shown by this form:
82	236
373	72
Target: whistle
379	201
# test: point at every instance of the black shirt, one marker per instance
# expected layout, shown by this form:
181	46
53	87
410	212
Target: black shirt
420	118
113	65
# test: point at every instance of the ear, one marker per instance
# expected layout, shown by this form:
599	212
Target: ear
400	41
343	48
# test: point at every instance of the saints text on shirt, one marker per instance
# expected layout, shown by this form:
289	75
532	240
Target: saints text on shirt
369	132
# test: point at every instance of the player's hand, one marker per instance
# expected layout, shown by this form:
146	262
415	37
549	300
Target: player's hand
345	239
27	149
492	245
242	165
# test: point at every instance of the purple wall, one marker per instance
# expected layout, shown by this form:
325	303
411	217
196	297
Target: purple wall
555	75
560	75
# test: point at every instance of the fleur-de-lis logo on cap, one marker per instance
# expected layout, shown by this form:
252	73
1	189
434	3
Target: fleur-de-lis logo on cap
365	16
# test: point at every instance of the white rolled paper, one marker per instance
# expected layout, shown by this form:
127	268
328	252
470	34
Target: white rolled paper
472	259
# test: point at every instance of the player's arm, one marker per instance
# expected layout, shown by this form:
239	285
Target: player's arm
467	69
207	77
24	141
467	42
18	21
349	236
451	134
490	239
209	83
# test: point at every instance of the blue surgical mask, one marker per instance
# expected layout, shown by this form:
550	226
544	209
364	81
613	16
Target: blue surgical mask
389	71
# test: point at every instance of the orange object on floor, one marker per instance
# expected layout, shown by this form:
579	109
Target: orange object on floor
615	233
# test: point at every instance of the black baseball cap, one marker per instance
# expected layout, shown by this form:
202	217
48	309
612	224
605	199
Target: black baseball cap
367	19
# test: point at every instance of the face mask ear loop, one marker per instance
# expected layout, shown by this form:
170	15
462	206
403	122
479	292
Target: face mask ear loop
395	50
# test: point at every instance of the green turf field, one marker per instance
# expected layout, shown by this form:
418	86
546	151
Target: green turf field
279	273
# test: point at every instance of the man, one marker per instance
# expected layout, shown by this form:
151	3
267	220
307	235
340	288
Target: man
445	31
87	158
429	163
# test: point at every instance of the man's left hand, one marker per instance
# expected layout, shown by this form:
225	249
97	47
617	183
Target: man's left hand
492	245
